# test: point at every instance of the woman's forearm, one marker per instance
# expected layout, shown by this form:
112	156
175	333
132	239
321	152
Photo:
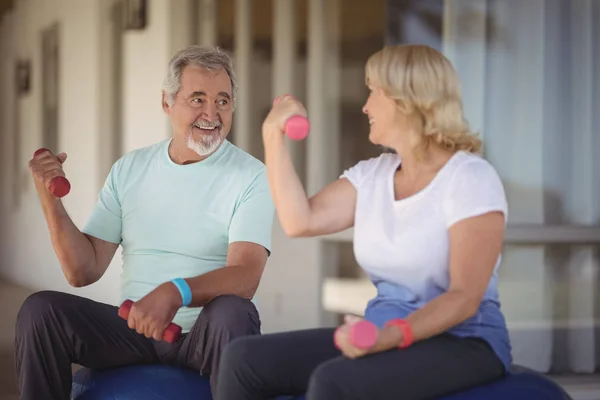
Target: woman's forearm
441	314
436	317
291	203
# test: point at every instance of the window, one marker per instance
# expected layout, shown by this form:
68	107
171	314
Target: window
530	73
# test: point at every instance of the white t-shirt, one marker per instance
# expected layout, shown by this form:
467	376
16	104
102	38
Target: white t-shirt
403	245
406	241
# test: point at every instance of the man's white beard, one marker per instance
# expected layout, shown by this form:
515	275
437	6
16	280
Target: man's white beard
206	145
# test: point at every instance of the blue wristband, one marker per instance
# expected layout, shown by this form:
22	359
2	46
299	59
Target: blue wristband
184	289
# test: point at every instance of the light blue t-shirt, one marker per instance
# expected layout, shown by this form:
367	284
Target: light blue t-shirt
178	220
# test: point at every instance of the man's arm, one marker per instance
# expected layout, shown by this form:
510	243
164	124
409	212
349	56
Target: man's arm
245	265
83	258
246	261
249	246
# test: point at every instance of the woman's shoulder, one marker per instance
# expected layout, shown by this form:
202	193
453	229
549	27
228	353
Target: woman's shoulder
474	187
472	167
371	168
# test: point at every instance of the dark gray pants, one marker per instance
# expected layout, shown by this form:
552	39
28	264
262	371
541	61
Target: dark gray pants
56	329
292	363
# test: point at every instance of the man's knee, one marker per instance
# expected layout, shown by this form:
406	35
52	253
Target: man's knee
35	310
326	382
233	314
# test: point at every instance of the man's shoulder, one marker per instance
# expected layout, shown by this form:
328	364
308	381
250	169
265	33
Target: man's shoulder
140	156
135	162
243	163
145	153
243	158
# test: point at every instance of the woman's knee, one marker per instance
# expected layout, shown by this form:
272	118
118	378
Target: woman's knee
239	353
326	382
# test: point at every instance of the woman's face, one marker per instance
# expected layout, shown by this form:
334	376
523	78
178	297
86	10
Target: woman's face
384	117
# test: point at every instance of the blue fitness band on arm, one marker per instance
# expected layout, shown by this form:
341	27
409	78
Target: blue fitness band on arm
184	289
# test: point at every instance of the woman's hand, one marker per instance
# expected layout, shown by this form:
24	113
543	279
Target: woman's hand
285	107
388	338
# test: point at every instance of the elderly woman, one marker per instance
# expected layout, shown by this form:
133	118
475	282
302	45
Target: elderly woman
429	222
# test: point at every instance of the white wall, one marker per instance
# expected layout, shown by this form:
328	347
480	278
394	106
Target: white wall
145	57
107	77
85	104
28	256
7	86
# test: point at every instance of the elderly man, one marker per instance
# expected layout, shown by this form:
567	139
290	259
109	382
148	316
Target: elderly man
193	215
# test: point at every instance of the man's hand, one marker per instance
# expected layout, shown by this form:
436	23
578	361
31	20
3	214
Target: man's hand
151	315
44	167
387	339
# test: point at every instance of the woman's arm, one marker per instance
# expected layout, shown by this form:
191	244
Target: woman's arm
330	210
475	244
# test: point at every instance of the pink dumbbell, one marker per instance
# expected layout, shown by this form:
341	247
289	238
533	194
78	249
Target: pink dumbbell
296	127
363	335
60	185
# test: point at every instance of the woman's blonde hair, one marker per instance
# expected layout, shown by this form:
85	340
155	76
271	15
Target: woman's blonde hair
426	88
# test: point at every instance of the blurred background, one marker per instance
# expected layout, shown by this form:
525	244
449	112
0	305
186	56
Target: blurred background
84	77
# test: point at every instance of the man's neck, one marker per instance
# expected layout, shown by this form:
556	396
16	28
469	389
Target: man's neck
181	154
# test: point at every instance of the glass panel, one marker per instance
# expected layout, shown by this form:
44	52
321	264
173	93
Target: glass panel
531	80
530	72
261	84
549	297
530	83
362	33
551	301
226	24
539	128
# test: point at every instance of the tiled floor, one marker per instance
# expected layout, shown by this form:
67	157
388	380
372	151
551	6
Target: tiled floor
11	298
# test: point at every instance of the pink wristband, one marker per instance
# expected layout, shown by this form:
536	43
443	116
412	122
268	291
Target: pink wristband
407	333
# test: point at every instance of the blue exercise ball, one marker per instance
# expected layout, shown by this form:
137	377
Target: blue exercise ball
134	382
163	382
147	382
519	384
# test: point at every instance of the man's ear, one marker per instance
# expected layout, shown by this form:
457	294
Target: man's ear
165	105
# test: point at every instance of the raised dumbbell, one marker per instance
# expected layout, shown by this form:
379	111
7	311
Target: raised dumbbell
363	335
171	334
296	127
59	186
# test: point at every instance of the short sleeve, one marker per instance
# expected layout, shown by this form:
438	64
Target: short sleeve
252	220
360	171
105	221
474	189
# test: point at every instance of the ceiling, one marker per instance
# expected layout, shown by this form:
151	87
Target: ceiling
362	18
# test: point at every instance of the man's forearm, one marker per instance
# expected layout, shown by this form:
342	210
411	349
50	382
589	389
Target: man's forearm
237	280
73	250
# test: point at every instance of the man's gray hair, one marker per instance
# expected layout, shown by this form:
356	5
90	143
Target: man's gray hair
209	58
